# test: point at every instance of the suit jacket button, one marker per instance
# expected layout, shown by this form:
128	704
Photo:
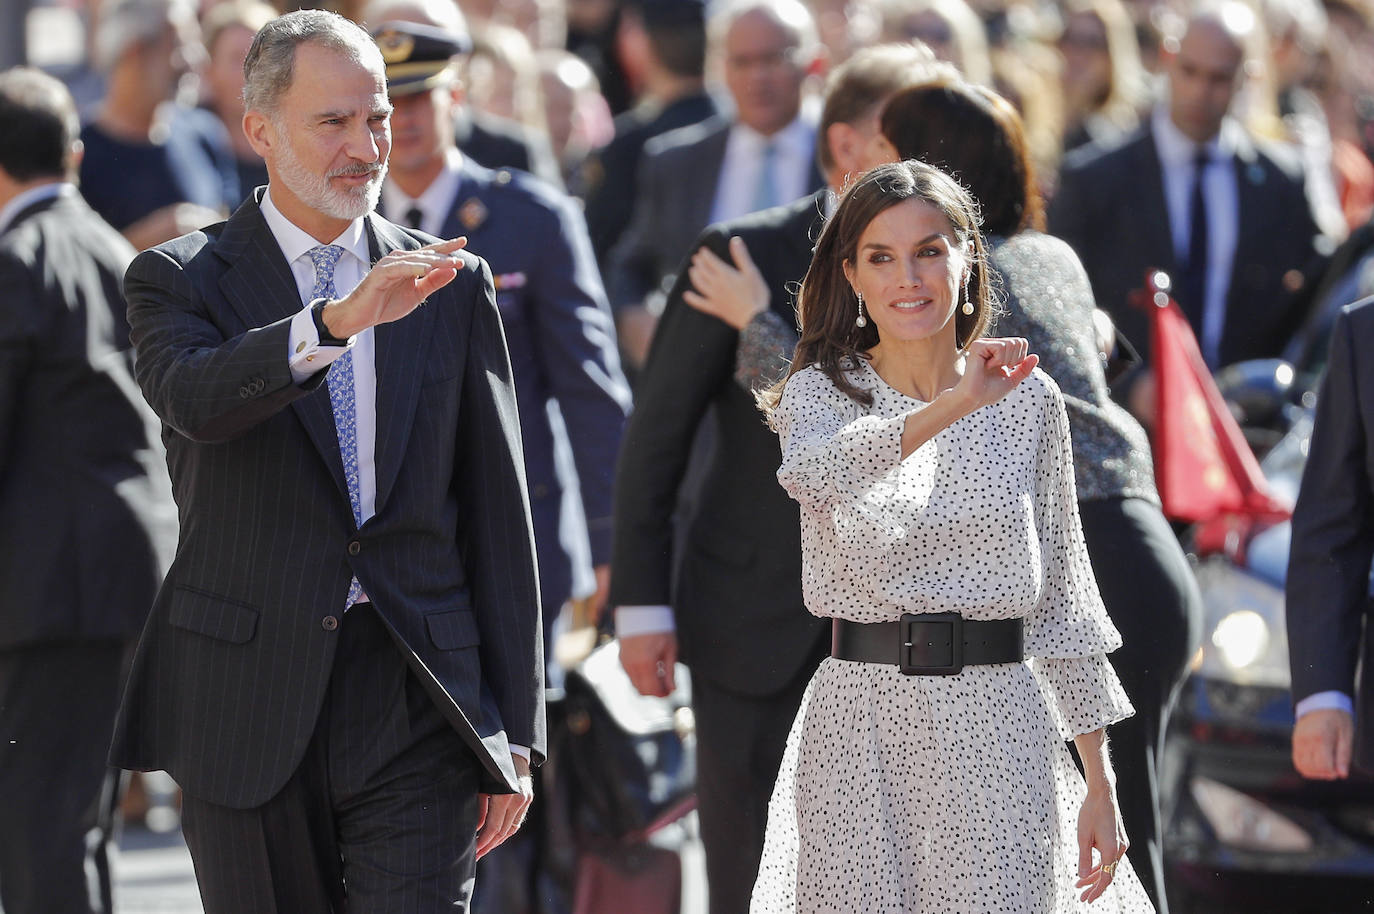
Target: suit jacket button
329	623
243	392
355	547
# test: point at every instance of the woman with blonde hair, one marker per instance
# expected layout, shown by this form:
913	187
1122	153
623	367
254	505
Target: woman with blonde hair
1105	87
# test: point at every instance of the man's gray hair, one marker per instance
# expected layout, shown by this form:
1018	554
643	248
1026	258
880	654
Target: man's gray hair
122	24
269	66
792	16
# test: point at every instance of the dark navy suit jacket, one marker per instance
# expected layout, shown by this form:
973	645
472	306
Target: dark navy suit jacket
563	352
231	672
1330	644
1110	208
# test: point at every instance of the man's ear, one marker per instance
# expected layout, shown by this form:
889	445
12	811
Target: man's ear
75	154
844	143
260	132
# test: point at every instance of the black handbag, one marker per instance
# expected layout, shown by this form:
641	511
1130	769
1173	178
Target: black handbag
628	761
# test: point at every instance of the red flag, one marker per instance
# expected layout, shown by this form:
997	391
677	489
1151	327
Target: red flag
1204	468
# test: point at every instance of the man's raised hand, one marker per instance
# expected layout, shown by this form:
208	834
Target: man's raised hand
394	287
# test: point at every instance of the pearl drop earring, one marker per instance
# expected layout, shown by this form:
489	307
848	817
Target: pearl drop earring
860	321
968	302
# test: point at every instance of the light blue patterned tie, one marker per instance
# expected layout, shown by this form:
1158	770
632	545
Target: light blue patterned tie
341	394
766	194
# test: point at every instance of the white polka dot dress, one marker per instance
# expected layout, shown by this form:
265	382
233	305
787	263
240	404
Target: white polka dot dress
902	794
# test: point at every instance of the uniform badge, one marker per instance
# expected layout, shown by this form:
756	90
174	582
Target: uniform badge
472	214
395	46
507	281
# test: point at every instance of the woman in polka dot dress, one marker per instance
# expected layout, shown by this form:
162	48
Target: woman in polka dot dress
934	473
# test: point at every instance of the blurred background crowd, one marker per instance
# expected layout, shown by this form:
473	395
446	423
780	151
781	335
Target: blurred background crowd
571	90
613	132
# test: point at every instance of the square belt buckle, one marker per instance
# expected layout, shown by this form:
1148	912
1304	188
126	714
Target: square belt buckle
932	644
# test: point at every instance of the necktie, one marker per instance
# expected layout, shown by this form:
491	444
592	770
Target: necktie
341	394
766	194
414	217
1194	299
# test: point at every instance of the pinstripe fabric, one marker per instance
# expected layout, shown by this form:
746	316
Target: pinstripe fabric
232	669
380	816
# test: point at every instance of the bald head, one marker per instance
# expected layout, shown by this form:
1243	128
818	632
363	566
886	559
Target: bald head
1207	69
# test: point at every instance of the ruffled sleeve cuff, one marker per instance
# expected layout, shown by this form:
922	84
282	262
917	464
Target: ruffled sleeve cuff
1084	693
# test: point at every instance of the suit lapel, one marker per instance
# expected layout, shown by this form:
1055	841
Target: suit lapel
699	191
260	288
401	348
1152	212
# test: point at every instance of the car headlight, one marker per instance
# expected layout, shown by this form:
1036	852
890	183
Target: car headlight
1246	823
1244	639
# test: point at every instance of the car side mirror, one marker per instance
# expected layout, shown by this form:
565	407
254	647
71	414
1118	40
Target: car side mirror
1259	392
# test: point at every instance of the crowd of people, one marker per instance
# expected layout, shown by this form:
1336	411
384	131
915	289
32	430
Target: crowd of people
773	326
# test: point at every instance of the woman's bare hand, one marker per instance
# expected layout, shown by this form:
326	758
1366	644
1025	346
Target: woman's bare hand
992	369
1100	828
735	294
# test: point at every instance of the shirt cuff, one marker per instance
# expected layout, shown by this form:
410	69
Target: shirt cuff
305	355
522	751
1325	701
643	620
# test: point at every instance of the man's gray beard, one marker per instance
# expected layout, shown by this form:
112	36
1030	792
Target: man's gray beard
317	193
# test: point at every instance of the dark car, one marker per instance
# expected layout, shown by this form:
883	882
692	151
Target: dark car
1243	831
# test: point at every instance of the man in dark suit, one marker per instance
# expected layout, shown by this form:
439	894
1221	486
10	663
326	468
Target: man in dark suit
343	669
662	44
1196	195
719	169
558	328
737	607
85	498
558	325
1330	650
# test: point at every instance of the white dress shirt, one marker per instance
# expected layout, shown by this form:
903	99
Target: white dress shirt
741	167
23	200
306	356
1222	190
434	203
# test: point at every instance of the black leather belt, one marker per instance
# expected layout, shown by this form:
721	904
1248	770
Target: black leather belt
929	644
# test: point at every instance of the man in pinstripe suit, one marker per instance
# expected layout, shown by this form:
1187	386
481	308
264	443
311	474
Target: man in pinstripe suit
343	668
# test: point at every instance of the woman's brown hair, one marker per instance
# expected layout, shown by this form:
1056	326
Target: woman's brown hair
826	304
975	135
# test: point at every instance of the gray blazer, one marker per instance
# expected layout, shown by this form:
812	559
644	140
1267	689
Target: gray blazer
234	661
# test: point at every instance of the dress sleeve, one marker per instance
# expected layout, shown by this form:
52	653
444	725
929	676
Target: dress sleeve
1068	635
833	454
765	348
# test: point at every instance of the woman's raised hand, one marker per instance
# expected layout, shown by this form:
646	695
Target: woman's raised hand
735	294
993	367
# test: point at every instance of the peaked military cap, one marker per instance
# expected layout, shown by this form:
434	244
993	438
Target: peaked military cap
417	57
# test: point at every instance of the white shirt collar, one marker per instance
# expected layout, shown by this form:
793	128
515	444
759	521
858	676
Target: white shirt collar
295	241
25	199
796	136
434	201
1176	149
